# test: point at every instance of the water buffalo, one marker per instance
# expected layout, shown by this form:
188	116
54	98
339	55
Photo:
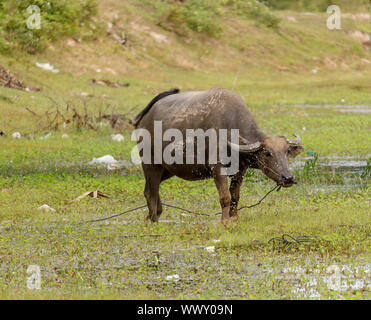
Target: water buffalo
213	109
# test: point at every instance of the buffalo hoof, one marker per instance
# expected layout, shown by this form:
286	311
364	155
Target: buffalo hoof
152	219
229	220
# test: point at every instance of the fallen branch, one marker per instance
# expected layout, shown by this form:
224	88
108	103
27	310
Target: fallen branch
108	83
7	79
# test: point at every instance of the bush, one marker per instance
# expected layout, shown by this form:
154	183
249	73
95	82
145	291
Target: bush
200	16
196	15
315	5
253	9
203	16
58	18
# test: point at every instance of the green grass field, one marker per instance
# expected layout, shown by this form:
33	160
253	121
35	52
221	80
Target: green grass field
129	258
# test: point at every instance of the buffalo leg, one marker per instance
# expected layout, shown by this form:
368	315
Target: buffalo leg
153	176
221	182
165	175
234	189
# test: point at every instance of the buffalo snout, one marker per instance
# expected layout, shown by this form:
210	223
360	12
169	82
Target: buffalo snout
288	180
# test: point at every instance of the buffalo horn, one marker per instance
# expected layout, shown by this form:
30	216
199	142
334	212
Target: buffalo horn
295	142
246	148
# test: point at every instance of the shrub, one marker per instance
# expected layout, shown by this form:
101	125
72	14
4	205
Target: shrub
203	16
200	16
253	9
196	15
58	18
315	5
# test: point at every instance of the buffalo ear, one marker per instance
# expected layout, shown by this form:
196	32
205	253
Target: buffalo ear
295	150
295	146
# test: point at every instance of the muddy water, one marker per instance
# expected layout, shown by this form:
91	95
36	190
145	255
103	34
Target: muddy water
350	165
336	277
359	109
350	172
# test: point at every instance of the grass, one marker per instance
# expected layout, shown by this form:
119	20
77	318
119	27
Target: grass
129	258
117	256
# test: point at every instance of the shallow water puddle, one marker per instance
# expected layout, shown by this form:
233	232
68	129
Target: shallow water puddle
360	109
341	164
335	277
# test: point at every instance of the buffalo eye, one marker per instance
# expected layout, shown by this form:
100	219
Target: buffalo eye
267	154
292	149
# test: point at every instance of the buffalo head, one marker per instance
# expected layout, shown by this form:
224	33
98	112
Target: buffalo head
272	157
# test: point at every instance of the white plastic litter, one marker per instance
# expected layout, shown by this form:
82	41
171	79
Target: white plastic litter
173	277
210	249
46	136
46	208
117	137
110	162
16	135
108	159
116	166
65	136
47	66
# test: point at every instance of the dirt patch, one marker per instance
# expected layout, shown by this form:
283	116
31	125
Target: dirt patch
360	36
291	19
158	37
357	16
329	63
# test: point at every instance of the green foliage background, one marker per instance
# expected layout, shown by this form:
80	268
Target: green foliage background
315	5
73	18
59	18
203	16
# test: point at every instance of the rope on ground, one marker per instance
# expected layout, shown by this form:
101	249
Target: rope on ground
277	187
116	215
287	242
